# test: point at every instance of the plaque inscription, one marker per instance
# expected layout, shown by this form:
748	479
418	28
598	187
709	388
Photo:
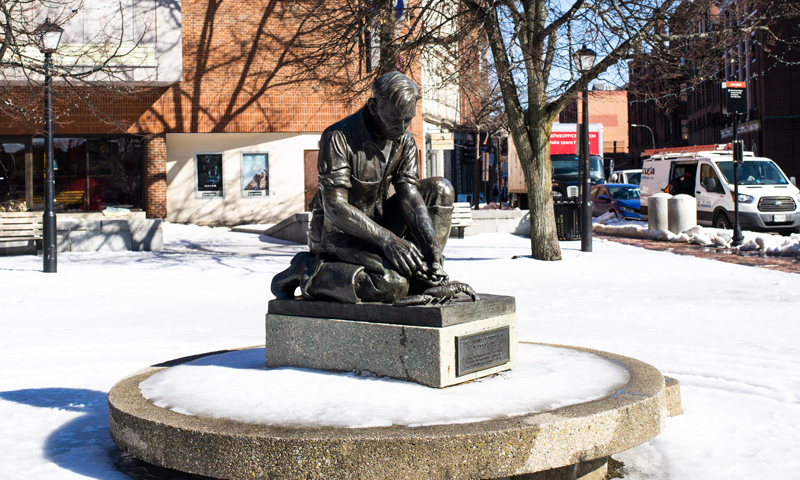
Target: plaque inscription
482	350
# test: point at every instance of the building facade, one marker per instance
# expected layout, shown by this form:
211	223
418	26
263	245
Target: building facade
609	108
227	134
683	115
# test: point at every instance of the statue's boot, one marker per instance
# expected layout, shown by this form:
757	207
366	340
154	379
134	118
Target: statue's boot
286	282
333	280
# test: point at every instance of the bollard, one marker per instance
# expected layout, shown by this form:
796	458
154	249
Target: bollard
682	213
657	211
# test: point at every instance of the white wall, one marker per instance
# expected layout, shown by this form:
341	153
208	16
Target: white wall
286	177
145	33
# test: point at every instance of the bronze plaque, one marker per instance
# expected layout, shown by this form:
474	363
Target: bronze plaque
482	350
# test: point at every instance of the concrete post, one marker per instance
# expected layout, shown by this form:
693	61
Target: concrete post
682	213
657	211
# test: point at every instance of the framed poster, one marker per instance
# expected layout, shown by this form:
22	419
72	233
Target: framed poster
208	172
255	175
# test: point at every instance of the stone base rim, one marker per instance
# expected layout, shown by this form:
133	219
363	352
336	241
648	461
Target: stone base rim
489	449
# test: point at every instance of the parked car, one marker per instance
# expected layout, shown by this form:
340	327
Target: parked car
620	198
627	176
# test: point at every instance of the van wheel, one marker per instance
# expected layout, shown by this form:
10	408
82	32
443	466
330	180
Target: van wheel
721	221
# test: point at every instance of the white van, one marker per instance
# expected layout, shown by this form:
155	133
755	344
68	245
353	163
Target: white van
768	202
626	176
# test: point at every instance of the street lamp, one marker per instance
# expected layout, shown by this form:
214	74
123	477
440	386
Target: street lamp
584	61
48	36
652	135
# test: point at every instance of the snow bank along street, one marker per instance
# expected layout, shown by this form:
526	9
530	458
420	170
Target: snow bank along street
728	333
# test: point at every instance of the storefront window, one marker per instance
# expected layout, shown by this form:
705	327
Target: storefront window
12	172
90	173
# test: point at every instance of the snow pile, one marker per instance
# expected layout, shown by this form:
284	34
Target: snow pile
237	386
769	244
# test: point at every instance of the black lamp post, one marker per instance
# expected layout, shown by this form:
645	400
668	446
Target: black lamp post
652	135
584	61
48	36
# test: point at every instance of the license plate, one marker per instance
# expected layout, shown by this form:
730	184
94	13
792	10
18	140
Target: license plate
779	218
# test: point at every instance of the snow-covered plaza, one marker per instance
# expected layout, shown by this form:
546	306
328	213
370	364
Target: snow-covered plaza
728	333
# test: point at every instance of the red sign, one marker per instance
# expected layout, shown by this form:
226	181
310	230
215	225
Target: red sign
566	142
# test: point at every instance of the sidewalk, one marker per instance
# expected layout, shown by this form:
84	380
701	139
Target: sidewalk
750	258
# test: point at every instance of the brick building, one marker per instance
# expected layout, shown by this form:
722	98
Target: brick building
693	115
658	110
609	108
220	134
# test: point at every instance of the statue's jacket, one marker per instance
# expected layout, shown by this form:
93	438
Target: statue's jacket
350	159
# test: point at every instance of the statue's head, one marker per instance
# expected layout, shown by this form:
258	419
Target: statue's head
393	104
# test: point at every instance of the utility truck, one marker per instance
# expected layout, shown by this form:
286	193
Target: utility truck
564	159
768	201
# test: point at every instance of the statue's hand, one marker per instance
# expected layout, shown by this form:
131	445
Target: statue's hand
405	256
435	260
434	277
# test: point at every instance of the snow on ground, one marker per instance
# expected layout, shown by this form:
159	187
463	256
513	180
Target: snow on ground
727	332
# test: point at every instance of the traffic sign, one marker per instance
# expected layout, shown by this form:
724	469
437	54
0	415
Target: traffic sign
735	99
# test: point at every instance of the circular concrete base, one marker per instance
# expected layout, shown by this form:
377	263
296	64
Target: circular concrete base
575	439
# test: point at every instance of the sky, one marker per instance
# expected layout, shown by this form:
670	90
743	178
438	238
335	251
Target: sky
727	332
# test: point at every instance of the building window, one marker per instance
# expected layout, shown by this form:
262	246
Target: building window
255	175
208	174
90	173
684	129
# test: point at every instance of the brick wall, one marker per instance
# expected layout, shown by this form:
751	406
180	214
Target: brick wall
240	68
155	176
240	65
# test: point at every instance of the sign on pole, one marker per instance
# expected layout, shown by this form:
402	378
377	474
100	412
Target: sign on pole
735	98
442	141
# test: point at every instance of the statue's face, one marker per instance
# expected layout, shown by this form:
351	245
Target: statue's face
393	121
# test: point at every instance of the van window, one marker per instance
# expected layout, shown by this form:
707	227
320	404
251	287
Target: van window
683	179
754	172
568	167
706	172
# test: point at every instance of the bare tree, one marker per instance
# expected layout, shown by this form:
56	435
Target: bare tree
480	109
531	45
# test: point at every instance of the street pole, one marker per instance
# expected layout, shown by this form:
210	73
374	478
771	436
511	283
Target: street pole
586	209
652	135
737	159
49	217
584	60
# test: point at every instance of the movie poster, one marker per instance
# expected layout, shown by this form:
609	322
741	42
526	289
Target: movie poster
255	175
209	174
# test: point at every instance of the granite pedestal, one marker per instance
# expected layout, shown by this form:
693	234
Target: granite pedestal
570	442
434	345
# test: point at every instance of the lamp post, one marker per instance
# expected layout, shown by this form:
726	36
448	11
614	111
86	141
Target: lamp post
48	36
652	135
584	61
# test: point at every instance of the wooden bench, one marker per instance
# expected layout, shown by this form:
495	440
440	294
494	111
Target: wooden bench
462	217
20	227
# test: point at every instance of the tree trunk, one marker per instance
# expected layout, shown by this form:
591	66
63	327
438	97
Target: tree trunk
477	183
538	176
